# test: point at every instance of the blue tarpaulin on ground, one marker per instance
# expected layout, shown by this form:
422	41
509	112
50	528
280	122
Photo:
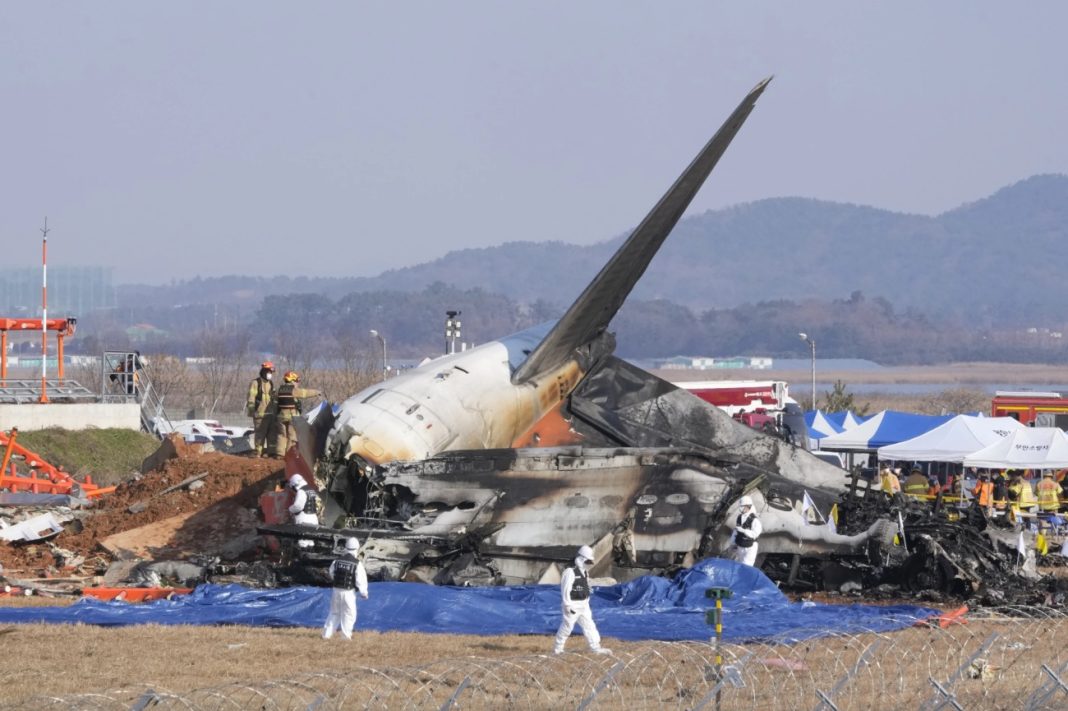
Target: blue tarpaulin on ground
647	608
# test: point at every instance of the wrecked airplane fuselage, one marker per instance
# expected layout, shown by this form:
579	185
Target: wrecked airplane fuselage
517	515
453	466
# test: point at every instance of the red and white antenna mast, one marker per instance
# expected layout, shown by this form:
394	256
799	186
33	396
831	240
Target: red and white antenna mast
44	311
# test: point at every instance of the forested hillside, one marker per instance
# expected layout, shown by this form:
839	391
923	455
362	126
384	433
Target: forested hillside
982	282
995	262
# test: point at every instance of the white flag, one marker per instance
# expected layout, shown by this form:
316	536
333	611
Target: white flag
1064	548
807	504
1021	547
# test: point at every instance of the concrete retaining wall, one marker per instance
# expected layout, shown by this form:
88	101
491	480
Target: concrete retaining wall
71	416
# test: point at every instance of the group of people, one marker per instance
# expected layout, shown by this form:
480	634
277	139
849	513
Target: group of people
1008	491
272	410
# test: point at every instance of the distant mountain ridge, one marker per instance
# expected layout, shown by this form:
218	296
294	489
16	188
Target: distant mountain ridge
998	259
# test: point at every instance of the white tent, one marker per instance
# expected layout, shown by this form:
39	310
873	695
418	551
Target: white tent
952	441
1026	448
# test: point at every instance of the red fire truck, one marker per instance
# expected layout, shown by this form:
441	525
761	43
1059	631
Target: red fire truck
762	404
1040	409
737	396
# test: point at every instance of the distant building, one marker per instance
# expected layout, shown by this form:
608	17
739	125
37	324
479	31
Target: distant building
706	363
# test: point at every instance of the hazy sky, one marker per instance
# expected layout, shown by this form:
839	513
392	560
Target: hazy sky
345	138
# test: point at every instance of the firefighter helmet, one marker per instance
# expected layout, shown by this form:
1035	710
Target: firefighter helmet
267	365
292	376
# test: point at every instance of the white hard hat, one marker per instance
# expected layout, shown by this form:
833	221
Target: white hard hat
352	545
745	501
585	552
296	481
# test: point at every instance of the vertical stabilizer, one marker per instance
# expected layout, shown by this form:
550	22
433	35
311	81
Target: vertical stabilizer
591	313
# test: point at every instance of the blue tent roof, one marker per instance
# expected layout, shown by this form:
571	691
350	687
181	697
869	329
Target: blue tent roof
820	425
887	427
847	418
648	607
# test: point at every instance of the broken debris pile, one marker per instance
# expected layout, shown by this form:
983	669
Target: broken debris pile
938	554
188	503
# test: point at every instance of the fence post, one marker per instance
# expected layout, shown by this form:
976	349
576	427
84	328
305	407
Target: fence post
601	685
1043	693
732	674
947	691
825	698
150	697
452	699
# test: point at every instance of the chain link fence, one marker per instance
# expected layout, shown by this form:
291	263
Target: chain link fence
1009	658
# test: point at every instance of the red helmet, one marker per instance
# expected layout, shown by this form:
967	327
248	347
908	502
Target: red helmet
267	365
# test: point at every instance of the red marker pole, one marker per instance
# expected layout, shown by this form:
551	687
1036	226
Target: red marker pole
44	312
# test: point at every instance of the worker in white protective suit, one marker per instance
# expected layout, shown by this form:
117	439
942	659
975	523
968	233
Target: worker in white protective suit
347	576
747	530
305	506
575	602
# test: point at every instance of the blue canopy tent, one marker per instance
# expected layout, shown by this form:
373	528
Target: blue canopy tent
819	425
846	419
887	427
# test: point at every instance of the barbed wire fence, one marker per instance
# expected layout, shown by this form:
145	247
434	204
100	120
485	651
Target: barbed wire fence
1005	658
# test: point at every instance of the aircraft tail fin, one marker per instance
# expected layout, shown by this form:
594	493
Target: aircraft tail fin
591	313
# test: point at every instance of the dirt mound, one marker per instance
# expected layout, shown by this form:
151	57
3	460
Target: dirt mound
231	480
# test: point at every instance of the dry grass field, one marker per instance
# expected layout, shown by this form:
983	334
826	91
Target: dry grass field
63	666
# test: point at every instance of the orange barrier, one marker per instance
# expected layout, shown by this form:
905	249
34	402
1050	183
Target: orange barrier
953	617
44	478
134	594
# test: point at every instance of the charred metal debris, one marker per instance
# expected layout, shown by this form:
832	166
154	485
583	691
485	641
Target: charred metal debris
477	518
936	553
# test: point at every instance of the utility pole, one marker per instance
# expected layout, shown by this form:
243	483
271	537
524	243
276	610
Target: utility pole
812	343
385	363
44	310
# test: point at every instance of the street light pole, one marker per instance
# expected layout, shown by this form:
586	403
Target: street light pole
385	363
812	344
452	330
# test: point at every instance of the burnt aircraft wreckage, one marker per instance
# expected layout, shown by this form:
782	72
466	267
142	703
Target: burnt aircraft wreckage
493	465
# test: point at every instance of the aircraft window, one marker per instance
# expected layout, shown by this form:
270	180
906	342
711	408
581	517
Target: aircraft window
412	409
578	501
462	370
465	505
677	499
646	500
372	396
